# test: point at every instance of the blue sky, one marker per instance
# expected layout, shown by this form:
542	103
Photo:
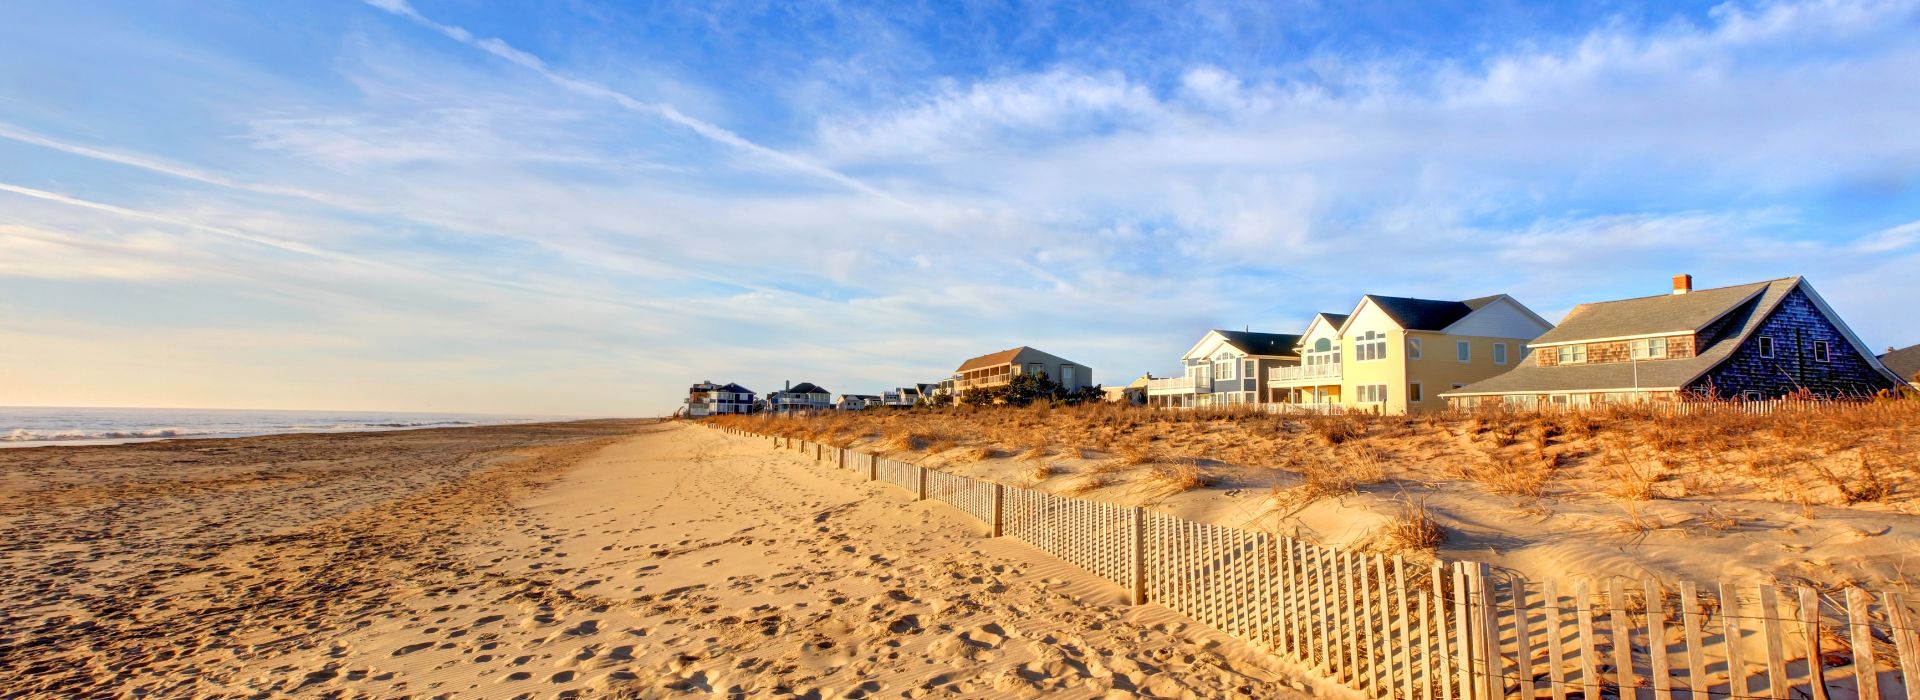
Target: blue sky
580	207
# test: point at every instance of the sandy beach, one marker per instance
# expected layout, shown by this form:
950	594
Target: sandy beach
604	558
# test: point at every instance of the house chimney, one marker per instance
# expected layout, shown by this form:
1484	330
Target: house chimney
789	385
1682	284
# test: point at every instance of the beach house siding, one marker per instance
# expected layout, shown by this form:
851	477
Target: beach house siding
1795	326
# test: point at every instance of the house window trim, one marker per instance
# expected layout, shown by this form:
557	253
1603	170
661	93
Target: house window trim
1416	393
1413	348
1822	351
1765	346
1500	355
1575	354
1463	351
1374	341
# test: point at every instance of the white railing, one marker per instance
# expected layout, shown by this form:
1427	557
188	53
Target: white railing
1178	385
1283	375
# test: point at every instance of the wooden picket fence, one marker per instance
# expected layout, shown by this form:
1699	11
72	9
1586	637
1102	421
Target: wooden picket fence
1452	630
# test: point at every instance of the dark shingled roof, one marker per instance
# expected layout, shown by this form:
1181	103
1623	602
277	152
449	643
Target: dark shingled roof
736	388
807	388
1424	314
1904	362
1261	343
1667	313
1747	310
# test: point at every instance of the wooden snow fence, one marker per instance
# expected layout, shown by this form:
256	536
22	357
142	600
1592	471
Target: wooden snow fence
1391	628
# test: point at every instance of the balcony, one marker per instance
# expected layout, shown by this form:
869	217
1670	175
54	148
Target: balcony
1178	385
1304	375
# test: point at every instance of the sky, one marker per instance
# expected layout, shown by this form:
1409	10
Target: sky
581	207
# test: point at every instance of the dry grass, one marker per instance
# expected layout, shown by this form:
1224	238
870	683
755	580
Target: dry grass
1042	472
1414	530
1088	484
1179	477
1856	455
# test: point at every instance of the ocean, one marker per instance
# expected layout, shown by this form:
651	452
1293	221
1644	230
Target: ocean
29	427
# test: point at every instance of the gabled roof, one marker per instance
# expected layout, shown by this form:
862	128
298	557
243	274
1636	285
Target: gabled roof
1744	317
1667	313
1904	362
859	397
1330	320
1424	314
991	360
1253	343
807	388
736	388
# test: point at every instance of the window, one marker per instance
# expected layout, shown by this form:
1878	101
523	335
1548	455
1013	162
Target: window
1223	369
1464	350
1573	354
1035	368
1820	351
1250	371
1066	376
1413	391
1499	353
1766	346
1371	345
1413	348
1649	348
1372	393
1751	396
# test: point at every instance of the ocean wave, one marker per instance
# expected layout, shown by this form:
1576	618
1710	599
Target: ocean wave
25	435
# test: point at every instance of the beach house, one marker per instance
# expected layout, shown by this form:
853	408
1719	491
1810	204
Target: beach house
1225	369
856	402
1134	393
999	369
1398	354
708	399
900	397
1904	363
1755	341
804	397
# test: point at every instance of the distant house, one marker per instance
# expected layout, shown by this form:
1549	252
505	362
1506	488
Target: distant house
1904	363
805	397
900	397
1225	368
1753	341
999	369
1398	354
708	399
856	402
1133	394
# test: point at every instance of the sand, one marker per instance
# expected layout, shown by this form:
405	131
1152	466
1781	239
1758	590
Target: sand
1746	508
607	558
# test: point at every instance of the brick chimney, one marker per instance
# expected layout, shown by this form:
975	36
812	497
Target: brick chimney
1682	284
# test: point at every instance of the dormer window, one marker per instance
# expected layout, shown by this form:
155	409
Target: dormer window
1573	354
1650	349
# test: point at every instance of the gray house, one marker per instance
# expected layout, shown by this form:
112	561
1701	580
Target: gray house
1225	369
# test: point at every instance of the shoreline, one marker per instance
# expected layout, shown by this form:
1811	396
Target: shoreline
141	440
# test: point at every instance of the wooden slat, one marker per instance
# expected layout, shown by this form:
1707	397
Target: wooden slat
1865	669
1463	631
1350	629
1622	638
1556	652
1905	643
1364	634
1661	677
1489	654
1522	640
1403	642
1777	682
1589	655
1441	660
1730	624
1696	646
1810	627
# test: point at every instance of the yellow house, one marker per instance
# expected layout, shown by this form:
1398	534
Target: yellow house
1398	355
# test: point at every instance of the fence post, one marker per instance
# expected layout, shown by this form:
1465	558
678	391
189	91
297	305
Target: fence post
922	495
1137	554
999	509
873	468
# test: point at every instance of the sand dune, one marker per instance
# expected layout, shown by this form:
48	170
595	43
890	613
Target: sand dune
590	559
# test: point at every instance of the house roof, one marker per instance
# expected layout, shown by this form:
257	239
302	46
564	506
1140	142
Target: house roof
807	388
1424	314
998	358
1747	311
1904	362
1261	343
736	388
1667	313
859	397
